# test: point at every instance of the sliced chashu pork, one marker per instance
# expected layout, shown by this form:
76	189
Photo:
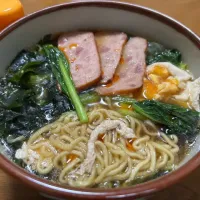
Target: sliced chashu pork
129	74
109	46
81	51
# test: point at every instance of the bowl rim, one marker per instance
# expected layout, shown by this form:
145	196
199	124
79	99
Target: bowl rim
139	190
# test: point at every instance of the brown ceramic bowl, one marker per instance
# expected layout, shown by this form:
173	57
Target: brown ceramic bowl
102	15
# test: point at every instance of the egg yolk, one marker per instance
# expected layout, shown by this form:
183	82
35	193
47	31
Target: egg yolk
10	11
172	81
149	89
158	84
160	71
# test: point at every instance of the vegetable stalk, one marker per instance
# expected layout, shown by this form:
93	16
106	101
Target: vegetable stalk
60	69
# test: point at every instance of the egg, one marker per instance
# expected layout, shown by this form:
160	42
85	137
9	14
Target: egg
164	80
167	88
149	89
159	69
179	74
191	93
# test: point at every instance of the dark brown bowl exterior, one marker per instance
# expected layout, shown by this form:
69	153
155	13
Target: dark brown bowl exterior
142	190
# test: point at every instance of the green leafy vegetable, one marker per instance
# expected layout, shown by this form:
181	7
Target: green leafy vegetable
29	97
89	97
157	53
183	66
60	69
30	116
30	72
178	120
25	61
29	67
123	99
41	85
11	96
49	39
172	56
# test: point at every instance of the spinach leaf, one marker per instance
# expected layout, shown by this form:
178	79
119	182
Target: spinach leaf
61	70
178	120
157	53
49	39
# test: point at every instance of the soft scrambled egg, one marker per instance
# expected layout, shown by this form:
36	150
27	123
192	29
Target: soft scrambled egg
166	82
191	93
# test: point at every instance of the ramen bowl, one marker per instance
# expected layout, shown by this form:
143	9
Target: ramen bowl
101	15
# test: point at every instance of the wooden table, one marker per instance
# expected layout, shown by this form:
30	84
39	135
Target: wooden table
187	12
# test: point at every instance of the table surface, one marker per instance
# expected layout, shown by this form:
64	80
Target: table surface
187	12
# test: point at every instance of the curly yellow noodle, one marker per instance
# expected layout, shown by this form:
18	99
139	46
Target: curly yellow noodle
100	161
58	144
140	142
118	169
63	175
47	150
160	148
58	160
44	166
162	161
100	178
63	144
124	175
110	158
38	133
104	151
131	154
138	167
171	143
85	182
153	157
